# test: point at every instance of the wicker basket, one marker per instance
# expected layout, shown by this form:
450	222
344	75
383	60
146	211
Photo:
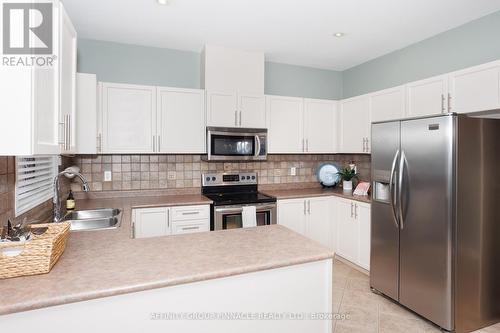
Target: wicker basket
38	255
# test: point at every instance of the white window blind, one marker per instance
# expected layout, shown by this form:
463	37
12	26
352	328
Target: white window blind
34	181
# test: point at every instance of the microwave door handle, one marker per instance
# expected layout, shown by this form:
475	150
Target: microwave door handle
257	146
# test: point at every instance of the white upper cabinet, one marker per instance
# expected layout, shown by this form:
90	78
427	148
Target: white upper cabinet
387	104
181	121
320	126
128	118
234	82
222	108
476	88
36	100
355	125
285	124
427	97
252	111
86	114
67	83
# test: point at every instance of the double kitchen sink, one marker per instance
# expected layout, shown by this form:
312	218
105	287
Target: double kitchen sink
95	219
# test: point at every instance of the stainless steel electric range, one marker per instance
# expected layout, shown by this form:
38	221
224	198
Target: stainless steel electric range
229	193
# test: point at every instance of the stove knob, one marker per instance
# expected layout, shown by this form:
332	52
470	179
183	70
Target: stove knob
242	178
253	177
248	177
207	179
213	179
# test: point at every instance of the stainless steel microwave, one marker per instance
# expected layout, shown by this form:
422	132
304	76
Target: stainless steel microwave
236	144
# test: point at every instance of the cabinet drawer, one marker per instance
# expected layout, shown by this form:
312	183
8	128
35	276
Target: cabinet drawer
186	227
182	213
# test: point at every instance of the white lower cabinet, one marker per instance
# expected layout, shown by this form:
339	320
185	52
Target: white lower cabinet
310	217
163	221
150	222
353	231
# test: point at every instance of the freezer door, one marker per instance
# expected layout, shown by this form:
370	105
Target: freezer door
426	202
384	254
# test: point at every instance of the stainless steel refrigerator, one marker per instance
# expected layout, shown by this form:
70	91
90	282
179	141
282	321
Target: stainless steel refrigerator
435	239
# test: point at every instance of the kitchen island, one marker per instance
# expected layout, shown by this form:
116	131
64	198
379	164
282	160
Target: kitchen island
182	283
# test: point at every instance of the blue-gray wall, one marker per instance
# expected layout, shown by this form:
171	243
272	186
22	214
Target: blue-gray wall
299	81
471	44
124	63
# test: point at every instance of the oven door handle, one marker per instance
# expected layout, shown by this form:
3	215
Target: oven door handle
239	209
257	146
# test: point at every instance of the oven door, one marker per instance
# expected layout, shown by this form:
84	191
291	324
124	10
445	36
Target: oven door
230	144
230	217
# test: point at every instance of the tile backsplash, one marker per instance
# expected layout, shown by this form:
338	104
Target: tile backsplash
138	172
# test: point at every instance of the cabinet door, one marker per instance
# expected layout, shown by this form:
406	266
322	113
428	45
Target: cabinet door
355	124
252	111
388	104
292	214
319	220
427	97
320	126
222	109
128	118
475	89
86	113
181	120
285	124
347	231
67	83
362	214
150	222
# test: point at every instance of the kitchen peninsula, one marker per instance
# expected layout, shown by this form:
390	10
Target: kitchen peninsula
108	278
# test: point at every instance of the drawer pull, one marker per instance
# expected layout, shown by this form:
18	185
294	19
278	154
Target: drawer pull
190	228
190	213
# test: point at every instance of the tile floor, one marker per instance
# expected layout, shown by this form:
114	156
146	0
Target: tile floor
369	312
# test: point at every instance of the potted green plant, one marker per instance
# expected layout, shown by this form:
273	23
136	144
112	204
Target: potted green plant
347	174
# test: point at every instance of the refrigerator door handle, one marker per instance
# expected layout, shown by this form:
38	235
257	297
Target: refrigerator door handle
391	189
402	161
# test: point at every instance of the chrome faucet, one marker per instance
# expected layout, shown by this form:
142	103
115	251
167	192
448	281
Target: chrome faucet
56	200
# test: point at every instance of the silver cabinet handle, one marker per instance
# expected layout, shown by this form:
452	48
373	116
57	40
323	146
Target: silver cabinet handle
442	103
235	117
190	213
356	211
309	207
62	132
364	141
352	210
240	117
303	145
67	132
190	228
154	143
307	145
449	102
99	142
367	145
305	207
159	143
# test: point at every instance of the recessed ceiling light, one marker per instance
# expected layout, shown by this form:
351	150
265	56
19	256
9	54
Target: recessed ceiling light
339	34
164	2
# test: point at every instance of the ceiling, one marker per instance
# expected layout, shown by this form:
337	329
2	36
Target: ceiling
296	32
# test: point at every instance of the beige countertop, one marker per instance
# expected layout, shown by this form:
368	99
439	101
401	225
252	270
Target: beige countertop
315	192
108	262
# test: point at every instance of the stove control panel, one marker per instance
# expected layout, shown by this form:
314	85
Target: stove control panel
226	179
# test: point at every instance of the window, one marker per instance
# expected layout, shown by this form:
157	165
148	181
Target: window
34	181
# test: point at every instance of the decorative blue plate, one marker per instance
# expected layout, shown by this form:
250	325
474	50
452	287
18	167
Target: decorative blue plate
327	174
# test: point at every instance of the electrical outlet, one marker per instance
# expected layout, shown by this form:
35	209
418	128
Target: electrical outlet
171	175
107	176
293	171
